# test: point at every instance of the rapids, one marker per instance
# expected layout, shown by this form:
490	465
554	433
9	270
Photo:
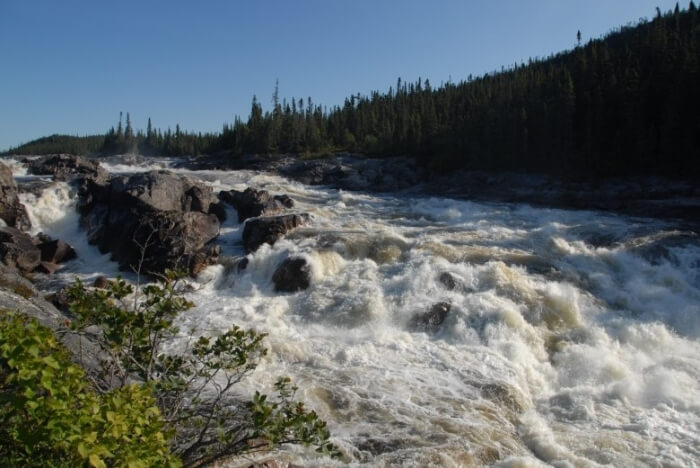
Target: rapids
573	337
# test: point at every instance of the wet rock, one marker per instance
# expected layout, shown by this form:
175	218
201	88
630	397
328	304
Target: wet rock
66	167
56	251
18	251
12	212
47	267
101	282
242	264
292	275
431	320
252	203
261	231
449	280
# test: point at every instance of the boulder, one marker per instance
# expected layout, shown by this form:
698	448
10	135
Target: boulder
431	320
18	251
268	230
292	275
252	203
47	267
154	221
56	251
167	240
164	191
12	212
101	282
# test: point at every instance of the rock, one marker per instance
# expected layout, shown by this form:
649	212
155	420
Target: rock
449	280
252	203
101	282
18	251
168	218
56	251
66	167
242	264
47	267
431	320
268	230
83	349
292	275
170	240
12	212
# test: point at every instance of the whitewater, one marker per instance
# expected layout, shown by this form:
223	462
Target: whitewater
573	338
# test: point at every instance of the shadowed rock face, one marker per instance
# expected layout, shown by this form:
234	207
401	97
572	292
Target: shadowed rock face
169	217
12	212
292	275
252	203
56	251
17	250
261	231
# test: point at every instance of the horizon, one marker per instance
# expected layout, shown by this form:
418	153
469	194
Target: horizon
177	64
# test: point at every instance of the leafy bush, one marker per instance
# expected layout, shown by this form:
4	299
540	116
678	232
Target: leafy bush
50	416
194	388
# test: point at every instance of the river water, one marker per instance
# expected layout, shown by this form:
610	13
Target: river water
572	339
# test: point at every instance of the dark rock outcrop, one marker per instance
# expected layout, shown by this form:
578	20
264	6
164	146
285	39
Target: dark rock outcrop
66	167
252	203
261	231
12	212
292	275
17	250
56	251
431	320
154	221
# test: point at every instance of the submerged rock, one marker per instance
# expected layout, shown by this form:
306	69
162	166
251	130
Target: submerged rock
12	212
292	275
449	280
261	231
252	203
431	320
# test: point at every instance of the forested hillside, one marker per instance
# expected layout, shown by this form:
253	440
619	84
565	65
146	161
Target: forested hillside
623	104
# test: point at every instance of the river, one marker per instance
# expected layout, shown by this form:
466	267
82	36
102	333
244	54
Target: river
573	337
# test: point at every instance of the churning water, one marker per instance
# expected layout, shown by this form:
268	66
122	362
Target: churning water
573	337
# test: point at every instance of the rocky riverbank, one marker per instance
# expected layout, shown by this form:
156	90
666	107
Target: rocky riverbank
634	195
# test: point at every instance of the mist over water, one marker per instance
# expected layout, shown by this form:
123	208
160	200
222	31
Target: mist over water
572	339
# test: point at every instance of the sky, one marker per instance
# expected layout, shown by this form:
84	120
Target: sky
70	67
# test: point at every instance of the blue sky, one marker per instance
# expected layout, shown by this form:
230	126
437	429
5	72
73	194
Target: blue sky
71	66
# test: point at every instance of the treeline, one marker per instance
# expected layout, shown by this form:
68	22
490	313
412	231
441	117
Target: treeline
626	103
91	144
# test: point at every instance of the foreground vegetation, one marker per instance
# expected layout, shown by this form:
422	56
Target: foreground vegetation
623	104
145	407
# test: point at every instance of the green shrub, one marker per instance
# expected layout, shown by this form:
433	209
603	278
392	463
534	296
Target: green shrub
194	388
50	415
